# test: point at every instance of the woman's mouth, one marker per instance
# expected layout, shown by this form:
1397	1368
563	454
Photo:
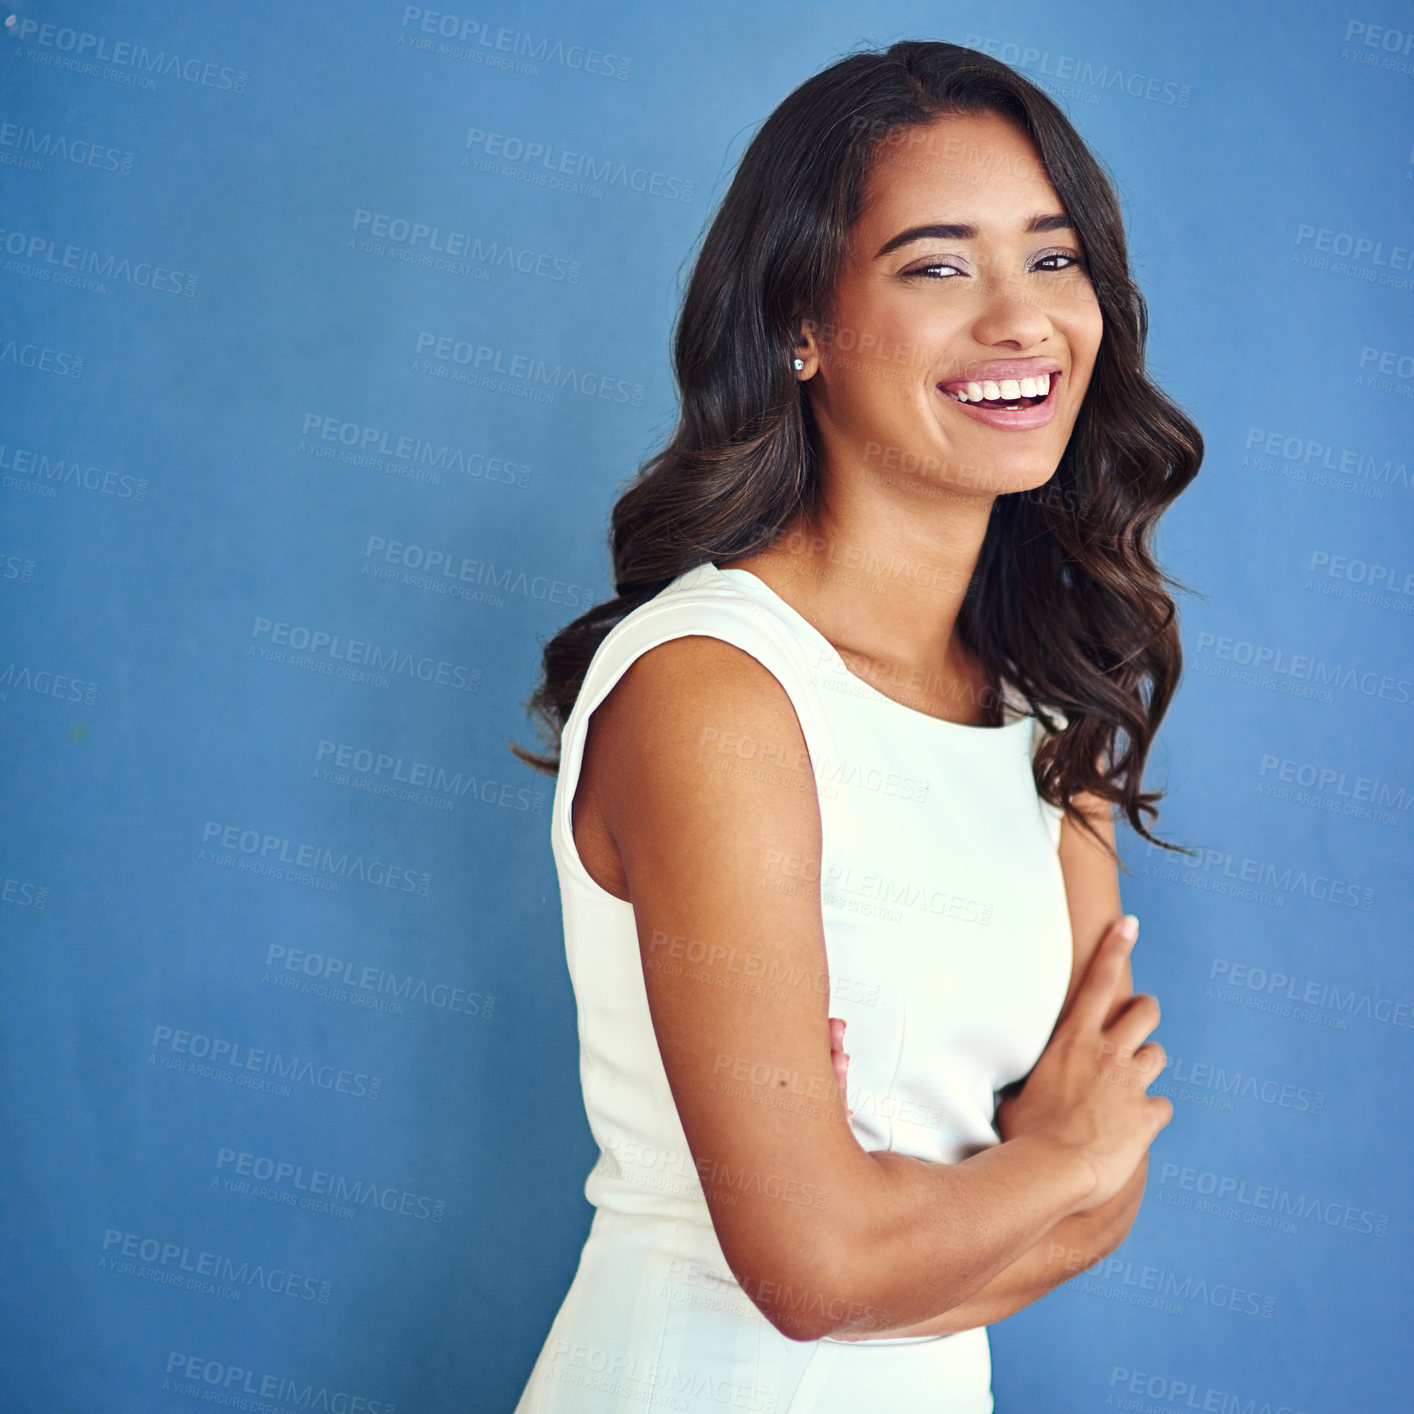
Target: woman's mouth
1016	404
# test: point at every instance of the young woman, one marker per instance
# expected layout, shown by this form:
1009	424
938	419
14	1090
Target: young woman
843	752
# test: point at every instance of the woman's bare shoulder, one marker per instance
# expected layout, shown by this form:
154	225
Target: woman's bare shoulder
697	708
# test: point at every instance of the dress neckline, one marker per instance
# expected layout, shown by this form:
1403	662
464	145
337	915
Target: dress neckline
755	581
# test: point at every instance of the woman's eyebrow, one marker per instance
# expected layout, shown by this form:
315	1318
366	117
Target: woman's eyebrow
1042	221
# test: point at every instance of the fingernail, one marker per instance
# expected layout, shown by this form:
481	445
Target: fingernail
1129	927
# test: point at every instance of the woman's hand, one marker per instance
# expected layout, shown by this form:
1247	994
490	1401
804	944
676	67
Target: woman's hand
1087	1090
840	1059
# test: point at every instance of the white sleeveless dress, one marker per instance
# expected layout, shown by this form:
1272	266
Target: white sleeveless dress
949	952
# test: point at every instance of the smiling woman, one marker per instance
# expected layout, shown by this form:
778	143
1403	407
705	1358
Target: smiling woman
847	740
1008	279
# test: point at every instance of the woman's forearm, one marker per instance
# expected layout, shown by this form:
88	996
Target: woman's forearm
919	1237
1071	1246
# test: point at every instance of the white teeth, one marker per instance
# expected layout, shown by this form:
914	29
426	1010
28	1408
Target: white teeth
1007	390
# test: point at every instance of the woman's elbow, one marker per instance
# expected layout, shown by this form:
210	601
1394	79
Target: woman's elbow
812	1293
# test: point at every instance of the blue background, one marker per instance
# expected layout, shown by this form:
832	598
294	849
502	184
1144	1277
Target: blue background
230	457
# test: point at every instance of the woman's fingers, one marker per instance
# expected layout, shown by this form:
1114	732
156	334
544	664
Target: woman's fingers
1088	1089
1096	994
1125	1036
840	1059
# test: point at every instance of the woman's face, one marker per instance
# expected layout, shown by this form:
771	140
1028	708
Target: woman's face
944	291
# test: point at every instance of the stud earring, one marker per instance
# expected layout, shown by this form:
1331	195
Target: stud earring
799	364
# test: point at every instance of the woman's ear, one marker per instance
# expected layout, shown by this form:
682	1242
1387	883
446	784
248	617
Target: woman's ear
807	350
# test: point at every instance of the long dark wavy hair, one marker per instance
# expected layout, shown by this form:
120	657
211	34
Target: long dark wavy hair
1066	600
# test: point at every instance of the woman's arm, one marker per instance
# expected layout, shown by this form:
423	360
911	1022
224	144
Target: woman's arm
822	1236
1081	1240
1070	1247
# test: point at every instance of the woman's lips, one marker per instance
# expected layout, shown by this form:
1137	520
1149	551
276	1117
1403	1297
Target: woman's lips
1022	420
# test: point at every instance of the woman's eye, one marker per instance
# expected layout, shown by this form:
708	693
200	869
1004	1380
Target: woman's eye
939	271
